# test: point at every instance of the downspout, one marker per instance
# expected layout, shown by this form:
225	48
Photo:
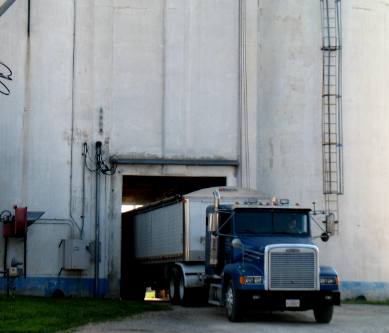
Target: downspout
97	219
84	152
245	180
72	120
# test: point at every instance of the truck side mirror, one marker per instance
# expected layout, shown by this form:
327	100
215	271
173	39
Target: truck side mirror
330	223
324	237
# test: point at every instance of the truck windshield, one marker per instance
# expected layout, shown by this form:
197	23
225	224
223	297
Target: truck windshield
274	222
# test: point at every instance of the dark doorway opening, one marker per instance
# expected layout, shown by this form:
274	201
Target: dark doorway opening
141	190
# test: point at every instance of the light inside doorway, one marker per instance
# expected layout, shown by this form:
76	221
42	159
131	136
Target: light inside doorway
142	190
128	208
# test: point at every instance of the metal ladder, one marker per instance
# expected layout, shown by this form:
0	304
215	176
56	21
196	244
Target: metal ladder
332	136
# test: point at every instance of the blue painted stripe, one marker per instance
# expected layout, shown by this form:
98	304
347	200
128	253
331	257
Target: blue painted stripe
45	286
84	287
372	291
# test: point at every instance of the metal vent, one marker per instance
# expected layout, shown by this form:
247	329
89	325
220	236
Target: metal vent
293	269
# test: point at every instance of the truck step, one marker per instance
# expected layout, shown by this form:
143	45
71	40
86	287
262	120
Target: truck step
215	294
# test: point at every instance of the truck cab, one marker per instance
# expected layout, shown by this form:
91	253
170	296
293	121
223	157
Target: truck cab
262	255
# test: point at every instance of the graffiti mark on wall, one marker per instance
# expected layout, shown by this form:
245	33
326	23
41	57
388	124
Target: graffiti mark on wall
5	76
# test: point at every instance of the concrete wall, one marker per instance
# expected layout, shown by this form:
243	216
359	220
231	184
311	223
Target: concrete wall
289	118
364	232
175	78
188	79
289	100
148	78
35	126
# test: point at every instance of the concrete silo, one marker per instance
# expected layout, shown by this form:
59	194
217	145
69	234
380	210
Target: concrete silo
204	92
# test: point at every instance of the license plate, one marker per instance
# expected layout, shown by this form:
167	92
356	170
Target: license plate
292	303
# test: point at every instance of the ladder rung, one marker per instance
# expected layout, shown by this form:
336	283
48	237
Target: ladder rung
330	95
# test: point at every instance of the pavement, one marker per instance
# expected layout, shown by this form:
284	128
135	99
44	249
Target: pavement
347	318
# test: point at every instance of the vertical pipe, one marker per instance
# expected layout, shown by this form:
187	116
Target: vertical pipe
5	254
240	96
97	234
243	111
84	153
25	252
28	18
339	95
72	114
164	11
97	217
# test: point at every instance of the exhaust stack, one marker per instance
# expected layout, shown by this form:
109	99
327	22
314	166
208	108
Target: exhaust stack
216	199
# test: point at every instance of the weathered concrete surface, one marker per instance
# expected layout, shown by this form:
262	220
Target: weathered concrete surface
289	134
153	78
347	318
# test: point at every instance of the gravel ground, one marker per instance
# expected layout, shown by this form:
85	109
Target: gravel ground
347	318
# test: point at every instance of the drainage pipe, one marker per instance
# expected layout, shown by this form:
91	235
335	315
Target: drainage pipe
97	217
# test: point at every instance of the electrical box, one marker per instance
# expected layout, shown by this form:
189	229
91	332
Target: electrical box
75	254
15	271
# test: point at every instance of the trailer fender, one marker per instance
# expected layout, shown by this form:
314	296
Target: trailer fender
194	275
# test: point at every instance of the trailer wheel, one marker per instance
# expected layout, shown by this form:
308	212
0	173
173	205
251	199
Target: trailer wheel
183	292
323	313
232	304
173	286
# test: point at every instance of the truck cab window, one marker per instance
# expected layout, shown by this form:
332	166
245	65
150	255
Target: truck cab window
290	223
225	224
274	222
253	223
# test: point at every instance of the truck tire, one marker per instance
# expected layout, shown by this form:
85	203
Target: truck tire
232	304
183	293
173	287
323	313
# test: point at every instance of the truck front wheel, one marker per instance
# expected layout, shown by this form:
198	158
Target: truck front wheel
323	313
233	308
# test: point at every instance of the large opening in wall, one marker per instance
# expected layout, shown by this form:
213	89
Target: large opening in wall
140	191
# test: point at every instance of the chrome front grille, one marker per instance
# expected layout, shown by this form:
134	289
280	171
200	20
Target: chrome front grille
293	268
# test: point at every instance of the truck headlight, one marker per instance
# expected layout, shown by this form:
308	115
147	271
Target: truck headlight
255	279
329	280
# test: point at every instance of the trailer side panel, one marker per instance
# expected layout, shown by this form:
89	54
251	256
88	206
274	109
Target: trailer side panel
159	233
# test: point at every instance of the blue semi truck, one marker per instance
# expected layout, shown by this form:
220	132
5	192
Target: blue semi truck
238	248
